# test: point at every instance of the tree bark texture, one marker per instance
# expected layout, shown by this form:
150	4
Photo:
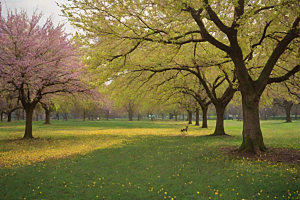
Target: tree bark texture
252	135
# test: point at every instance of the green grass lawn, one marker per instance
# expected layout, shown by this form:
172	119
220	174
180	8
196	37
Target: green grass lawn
118	159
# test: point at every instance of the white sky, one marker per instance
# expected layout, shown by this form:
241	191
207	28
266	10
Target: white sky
48	7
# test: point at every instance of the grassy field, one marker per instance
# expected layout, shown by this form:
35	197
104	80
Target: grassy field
141	160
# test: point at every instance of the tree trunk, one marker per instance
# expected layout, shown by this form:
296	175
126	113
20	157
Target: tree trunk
57	115
190	115
18	115
252	135
28	123
139	117
204	117
47	113
1	117
130	113
288	106
219	129
197	116
84	115
9	116
66	116
170	115
23	115
152	118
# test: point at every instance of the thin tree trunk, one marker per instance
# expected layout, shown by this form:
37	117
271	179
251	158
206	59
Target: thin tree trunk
57	115
23	115
197	116
204	117
130	113
252	135
190	115
84	115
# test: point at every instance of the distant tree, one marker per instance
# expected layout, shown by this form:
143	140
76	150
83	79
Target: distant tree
36	60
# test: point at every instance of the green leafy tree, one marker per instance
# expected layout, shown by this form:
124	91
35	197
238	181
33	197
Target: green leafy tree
256	38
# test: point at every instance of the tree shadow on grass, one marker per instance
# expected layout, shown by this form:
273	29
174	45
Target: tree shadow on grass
271	156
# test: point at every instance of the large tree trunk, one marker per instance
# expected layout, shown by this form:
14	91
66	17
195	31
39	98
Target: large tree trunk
204	117
197	116
1	116
190	115
47	113
28	123
252	135
219	129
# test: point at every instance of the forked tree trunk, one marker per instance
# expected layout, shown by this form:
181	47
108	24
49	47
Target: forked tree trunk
190	115
219	129
47	113
28	122
204	117
197	116
252	135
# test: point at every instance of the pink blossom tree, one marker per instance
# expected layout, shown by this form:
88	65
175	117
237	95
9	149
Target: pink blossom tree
36	60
